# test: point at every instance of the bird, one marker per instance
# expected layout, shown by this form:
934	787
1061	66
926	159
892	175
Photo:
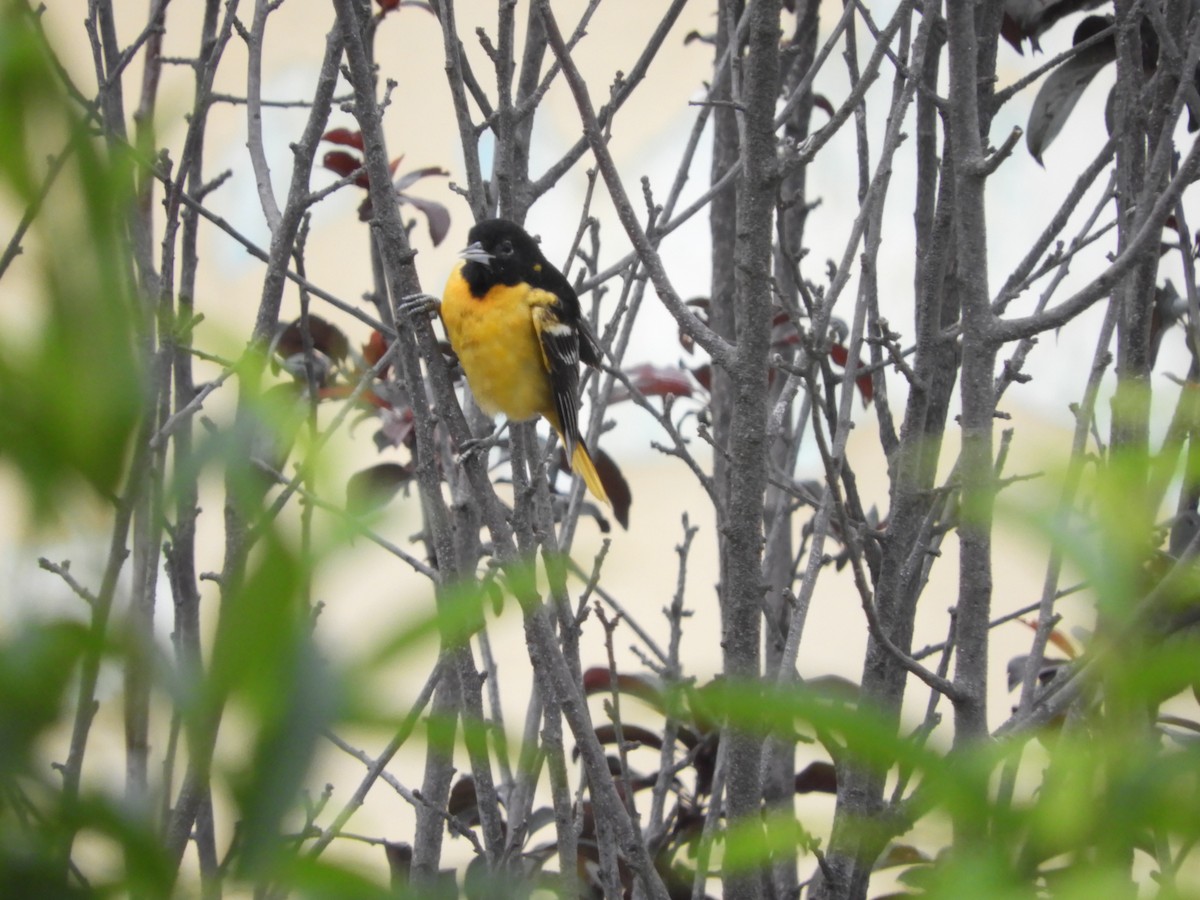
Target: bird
516	325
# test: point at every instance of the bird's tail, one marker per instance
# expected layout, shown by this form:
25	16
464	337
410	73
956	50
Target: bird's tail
581	463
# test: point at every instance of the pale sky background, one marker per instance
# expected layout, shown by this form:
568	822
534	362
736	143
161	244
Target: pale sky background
367	593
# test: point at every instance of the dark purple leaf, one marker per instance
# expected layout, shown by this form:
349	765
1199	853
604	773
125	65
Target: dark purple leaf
326	338
1061	91
399	858
901	855
436	215
408	179
596	680
1016	670
397	426
833	687
1028	19
372	488
817	778
607	734
463	803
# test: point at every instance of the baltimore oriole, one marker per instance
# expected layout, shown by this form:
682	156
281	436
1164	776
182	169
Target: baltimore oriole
515	322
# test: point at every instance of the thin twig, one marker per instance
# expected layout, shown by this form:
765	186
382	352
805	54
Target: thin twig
376	767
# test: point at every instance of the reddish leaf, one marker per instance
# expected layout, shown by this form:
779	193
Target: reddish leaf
373	488
342	163
866	388
329	349
615	486
374	348
596	680
817	778
821	102
655	381
345	137
1057	638
703	374
326	338
463	803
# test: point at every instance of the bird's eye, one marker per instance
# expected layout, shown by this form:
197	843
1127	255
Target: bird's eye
504	248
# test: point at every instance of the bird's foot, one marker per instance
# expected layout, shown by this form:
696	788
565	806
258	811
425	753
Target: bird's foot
418	305
483	445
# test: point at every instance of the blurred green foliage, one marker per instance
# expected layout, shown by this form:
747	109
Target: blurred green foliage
71	396
1115	784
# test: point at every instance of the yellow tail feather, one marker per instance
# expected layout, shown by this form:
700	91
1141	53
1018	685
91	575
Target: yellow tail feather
582	464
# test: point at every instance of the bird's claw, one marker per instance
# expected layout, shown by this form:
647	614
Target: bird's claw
469	448
472	446
419	304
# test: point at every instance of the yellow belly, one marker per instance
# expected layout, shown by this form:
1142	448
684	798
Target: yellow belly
499	350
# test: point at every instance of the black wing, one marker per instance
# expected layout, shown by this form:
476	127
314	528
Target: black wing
569	311
560	352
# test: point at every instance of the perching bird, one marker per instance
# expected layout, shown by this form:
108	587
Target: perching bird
515	322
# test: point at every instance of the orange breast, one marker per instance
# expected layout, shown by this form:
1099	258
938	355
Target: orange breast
498	348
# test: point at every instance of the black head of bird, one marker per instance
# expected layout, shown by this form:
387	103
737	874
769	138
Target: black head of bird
501	252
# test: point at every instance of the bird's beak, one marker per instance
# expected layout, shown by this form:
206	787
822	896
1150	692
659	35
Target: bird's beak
476	253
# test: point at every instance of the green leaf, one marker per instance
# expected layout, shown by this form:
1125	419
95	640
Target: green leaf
317	878
36	665
265	663
71	384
